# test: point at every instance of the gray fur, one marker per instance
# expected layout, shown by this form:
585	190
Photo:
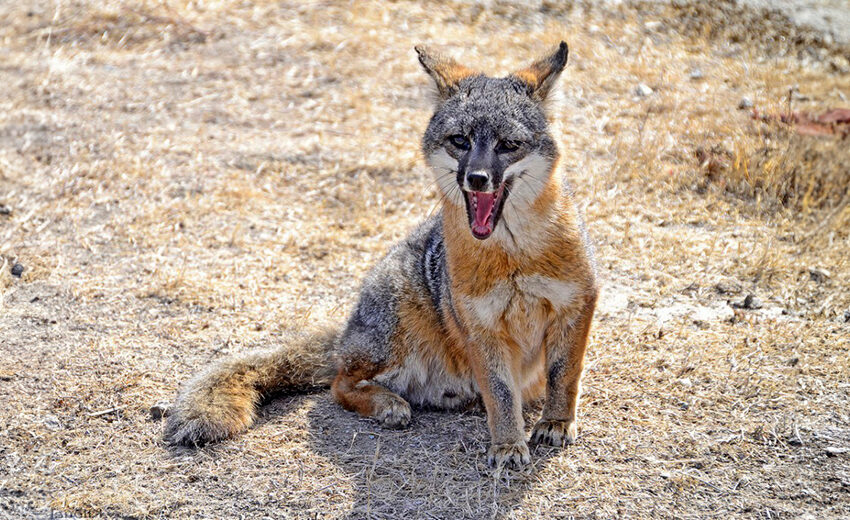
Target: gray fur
434	265
489	110
403	269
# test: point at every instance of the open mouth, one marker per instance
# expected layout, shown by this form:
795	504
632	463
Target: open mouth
484	210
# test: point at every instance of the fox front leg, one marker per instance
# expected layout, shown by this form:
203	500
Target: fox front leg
503	401
565	347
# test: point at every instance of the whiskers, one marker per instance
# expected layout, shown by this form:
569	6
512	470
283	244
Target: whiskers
526	189
448	187
454	190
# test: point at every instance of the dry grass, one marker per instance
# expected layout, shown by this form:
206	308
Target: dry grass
188	180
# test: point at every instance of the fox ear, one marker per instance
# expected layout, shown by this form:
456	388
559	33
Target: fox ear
541	75
445	71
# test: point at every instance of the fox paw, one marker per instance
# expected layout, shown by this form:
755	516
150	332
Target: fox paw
513	455
554	433
392	411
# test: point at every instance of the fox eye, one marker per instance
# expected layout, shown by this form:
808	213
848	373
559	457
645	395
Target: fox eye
507	146
460	141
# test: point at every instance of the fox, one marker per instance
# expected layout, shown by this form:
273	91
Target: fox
489	300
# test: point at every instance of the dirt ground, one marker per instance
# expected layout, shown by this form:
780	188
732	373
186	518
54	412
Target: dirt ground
185	180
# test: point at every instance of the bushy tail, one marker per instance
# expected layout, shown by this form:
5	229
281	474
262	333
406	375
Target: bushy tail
222	400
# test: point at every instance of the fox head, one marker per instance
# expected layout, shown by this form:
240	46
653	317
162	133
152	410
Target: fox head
489	141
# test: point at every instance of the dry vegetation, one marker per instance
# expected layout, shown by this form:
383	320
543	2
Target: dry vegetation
186	180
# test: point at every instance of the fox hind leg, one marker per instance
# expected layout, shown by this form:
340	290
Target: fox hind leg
353	389
368	346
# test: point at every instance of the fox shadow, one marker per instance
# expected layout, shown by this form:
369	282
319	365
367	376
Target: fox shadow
434	468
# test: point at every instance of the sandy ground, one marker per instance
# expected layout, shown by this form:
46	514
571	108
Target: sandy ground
829	16
181	181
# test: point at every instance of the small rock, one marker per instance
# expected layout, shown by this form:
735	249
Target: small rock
750	302
651	26
840	64
643	90
684	406
819	274
52	423
5	210
665	474
745	103
17	270
832	451
846	316
160	410
696	74
701	324
727	287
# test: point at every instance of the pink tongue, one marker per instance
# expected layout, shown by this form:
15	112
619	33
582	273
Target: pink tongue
480	223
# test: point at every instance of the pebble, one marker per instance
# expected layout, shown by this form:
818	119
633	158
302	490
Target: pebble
17	270
52	422
160	410
745	103
727	287
696	74
840	64
750	302
832	451
846	316
5	210
819	274
643	90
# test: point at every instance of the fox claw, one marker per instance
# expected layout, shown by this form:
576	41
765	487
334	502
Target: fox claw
514	455
393	412
554	433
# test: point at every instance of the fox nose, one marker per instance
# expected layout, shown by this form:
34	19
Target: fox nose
477	180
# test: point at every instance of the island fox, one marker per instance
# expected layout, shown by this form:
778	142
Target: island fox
490	299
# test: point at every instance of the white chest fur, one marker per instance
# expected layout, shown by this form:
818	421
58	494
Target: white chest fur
521	306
